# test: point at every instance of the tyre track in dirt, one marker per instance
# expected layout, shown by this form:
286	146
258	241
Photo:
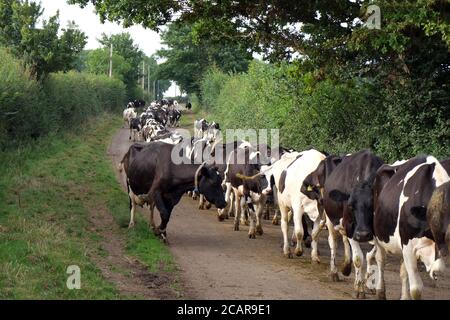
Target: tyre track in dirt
219	263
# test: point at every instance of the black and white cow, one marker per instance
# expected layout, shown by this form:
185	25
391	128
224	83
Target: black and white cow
313	188
246	191
346	200
200	128
135	128
154	179
289	173
400	221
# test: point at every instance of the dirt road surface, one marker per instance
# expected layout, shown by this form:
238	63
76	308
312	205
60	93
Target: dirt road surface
217	262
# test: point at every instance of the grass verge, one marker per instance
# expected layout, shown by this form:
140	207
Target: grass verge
46	192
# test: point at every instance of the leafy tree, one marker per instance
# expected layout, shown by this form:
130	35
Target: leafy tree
98	62
124	46
188	56
42	49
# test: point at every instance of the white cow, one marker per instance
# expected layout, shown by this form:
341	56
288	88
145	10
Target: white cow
289	173
129	114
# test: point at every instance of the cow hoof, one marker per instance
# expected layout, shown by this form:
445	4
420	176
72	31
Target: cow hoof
360	295
131	225
298	252
201	207
381	294
370	291
252	235
315	260
275	222
236	228
259	231
347	269
221	217
208	206
289	255
308	242
334	277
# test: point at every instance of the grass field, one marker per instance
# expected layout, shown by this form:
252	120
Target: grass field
46	193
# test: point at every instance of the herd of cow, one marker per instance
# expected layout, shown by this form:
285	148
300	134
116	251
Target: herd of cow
401	208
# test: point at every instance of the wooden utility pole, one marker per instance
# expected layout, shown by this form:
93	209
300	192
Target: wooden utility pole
148	80
110	60
143	75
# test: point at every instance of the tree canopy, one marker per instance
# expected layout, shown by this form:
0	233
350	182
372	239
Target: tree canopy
187	57
42	49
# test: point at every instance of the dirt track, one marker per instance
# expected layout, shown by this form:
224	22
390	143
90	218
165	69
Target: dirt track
219	263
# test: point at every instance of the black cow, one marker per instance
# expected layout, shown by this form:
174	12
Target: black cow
347	200
153	178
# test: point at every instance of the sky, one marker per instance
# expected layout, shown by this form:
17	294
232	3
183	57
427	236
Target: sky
86	19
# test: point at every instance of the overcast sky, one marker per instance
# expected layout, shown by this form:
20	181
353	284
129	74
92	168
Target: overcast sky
86	19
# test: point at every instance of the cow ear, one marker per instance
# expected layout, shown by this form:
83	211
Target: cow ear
338	196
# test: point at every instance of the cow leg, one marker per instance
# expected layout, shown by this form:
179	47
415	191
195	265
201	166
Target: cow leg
285	229
332	235
252	220
298	227
405	287
232	208
380	257
244	212
306	236
223	214
347	264
165	209
370	271
358	262
201	204
275	219
237	202
151	217
259	212
266	212
132	210
314	241
410	261
130	132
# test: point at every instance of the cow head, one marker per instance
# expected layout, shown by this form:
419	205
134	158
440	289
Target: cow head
210	185
359	218
313	184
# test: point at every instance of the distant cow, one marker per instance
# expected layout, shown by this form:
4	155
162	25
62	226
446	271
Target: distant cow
153	179
200	128
135	128
129	114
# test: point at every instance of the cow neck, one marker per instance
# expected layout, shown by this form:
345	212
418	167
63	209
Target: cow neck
187	176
